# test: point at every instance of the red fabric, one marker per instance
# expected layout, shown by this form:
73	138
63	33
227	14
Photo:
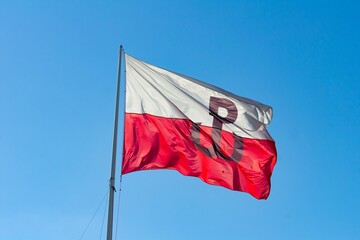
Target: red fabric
153	142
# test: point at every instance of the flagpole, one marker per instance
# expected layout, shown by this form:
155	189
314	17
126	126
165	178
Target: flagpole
113	162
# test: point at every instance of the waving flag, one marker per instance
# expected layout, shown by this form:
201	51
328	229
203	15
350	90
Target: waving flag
176	122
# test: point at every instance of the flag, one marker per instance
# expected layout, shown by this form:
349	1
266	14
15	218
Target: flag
176	122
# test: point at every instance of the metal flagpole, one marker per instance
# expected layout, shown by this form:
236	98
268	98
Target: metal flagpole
113	162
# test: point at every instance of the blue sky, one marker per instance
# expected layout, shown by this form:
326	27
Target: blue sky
58	68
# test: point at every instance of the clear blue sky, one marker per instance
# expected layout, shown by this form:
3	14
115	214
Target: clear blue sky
58	68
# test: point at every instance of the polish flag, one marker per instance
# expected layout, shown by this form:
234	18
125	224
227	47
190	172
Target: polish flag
176	122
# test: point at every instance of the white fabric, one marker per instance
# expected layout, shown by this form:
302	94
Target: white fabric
156	91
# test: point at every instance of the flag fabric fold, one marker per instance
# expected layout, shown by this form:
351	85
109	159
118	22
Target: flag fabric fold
176	122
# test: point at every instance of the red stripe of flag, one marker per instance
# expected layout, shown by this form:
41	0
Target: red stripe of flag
153	142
